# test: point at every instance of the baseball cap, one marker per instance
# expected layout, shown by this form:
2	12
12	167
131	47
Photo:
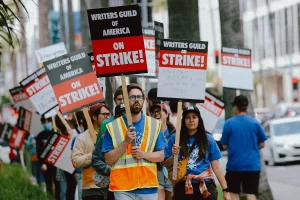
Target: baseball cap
160	106
191	108
240	101
95	107
119	108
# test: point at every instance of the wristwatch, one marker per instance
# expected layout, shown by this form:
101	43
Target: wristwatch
226	189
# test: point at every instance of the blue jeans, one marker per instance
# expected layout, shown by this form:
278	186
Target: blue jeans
78	177
63	190
133	196
37	172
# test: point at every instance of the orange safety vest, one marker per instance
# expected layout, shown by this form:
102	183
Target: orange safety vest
127	173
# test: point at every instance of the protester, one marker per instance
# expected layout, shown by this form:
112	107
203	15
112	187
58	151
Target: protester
82	153
36	168
49	171
118	99
139	179
98	162
67	181
159	112
244	137
197	152
152	99
82	126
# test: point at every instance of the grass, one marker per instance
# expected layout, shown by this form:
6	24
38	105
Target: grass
220	192
15	184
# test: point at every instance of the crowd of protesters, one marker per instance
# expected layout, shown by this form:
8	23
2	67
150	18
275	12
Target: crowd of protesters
136	162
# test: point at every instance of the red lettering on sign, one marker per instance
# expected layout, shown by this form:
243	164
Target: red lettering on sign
149	43
37	86
212	107
57	149
236	60
183	59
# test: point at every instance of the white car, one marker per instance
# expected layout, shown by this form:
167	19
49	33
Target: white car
4	151
283	144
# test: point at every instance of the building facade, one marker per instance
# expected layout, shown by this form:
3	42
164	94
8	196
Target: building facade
272	31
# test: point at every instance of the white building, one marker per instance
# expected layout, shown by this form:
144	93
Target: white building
272	30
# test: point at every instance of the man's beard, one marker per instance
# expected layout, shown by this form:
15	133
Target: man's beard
136	109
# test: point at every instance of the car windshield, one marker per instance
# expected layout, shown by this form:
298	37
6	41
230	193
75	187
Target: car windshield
288	128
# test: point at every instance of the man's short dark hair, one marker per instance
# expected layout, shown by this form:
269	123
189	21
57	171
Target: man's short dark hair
118	92
173	106
241	102
134	86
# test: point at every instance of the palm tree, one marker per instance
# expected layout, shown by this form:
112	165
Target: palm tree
7	22
232	36
71	26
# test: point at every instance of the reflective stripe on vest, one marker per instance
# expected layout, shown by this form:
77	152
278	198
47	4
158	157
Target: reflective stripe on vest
143	171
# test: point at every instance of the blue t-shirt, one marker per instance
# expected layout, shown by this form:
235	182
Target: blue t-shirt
194	165
242	134
139	129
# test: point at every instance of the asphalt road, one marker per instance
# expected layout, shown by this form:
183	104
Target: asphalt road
284	180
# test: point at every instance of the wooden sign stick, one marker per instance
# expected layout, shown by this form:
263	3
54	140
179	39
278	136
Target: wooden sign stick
144	88
61	117
90	124
54	124
177	138
127	106
76	119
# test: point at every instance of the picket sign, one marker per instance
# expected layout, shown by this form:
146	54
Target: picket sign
177	138
90	124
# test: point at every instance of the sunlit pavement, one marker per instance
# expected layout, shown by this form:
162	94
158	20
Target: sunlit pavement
284	180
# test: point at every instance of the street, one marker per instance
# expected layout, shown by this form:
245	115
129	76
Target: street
284	179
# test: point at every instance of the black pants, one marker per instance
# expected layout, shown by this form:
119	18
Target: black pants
110	196
179	192
93	197
49	177
71	186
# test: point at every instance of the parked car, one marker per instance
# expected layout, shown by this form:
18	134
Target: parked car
217	132
4	151
283	144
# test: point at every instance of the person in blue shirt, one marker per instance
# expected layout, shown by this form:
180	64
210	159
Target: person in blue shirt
159	112
244	137
136	133
202	153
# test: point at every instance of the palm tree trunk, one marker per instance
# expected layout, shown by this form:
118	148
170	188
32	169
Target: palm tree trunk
71	27
62	21
232	36
44	38
183	20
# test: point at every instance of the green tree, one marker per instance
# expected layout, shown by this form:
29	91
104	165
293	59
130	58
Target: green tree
232	36
8	17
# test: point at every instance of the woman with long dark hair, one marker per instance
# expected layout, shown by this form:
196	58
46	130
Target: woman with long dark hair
200	153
